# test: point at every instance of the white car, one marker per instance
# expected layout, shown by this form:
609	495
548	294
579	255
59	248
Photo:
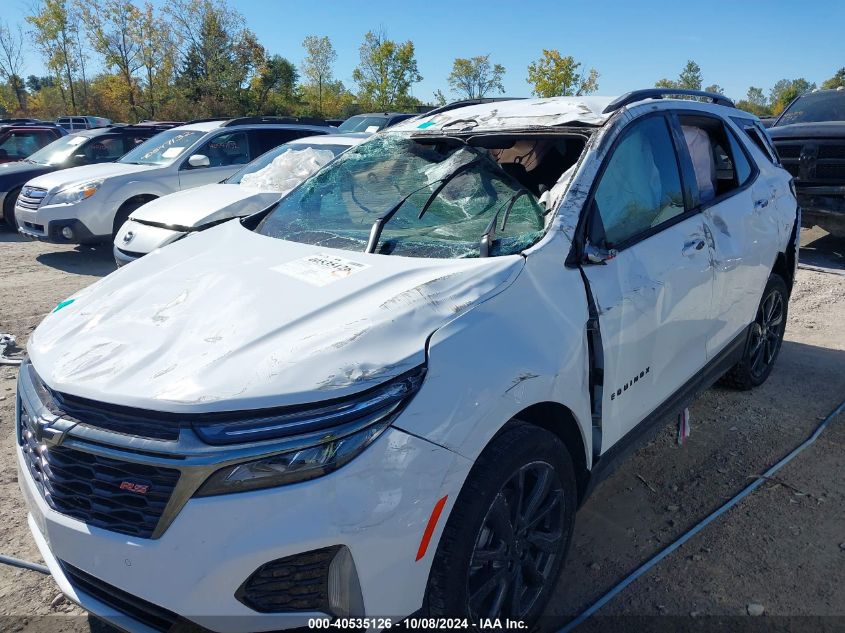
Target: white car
89	204
249	190
388	394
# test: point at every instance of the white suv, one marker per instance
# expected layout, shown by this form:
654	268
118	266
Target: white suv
89	204
389	393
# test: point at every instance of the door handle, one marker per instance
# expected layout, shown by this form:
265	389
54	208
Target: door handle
761	204
691	246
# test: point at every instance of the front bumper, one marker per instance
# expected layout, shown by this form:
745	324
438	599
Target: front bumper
378	506
45	224
823	206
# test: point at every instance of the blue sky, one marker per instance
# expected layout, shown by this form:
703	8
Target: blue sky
737	44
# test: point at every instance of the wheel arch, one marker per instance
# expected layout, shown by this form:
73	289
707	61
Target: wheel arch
786	261
559	420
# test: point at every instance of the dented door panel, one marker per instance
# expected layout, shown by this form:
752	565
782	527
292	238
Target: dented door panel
654	306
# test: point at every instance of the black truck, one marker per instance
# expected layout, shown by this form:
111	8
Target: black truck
810	139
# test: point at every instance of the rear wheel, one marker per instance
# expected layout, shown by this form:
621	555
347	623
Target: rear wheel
506	539
764	339
9	208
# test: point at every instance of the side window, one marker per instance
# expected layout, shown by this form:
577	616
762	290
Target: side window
718	161
265	140
640	187
131	141
226	149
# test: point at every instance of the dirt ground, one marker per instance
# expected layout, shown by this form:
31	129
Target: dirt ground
782	548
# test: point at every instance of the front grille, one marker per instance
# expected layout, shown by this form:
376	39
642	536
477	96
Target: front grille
827	171
120	419
31	197
112	494
145	612
793	169
788	150
831	151
294	583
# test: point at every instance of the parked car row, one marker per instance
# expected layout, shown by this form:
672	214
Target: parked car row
387	389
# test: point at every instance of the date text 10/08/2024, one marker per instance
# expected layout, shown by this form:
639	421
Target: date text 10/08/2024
416	623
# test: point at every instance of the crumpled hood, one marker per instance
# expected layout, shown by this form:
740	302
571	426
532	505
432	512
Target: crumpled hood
65	178
192	208
229	319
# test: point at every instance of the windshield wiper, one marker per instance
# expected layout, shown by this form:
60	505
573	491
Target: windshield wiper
487	237
378	225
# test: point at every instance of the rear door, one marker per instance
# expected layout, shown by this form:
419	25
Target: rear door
653	297
735	204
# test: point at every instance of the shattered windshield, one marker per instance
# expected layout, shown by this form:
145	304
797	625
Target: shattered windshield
447	195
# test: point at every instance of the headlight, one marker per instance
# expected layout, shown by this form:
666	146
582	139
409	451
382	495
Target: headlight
364	408
291	467
76	193
342	429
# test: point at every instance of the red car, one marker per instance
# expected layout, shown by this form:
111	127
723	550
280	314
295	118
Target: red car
19	141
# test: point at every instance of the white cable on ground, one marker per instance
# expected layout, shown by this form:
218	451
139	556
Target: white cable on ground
642	569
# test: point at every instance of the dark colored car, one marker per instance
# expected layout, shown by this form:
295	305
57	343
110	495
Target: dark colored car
18	141
373	122
810	140
86	147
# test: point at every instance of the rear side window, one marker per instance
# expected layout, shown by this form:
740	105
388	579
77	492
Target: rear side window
265	140
718	161
640	188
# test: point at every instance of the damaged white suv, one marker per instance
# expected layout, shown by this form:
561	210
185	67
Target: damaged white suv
388	394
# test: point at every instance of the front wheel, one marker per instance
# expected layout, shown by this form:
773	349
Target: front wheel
506	539
764	338
9	208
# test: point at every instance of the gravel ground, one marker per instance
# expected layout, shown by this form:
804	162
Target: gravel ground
782	550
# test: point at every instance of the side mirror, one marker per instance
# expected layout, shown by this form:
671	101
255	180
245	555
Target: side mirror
199	160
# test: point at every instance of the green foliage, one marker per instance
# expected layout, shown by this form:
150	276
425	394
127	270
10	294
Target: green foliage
688	79
475	78
56	34
553	76
785	90
386	72
317	69
837	81
755	102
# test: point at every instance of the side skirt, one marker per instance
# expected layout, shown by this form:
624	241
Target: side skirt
648	428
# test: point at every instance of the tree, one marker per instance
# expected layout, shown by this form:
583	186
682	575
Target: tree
837	81
114	29
785	90
688	79
386	72
34	83
553	76
11	61
218	56
156	55
439	98
755	102
317	66
715	89
274	85
474	78
56	34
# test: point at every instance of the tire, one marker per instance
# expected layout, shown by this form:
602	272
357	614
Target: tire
479	559
124	212
764	339
9	208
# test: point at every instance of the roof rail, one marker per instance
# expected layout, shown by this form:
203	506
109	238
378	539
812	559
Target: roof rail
466	102
658	93
209	120
267	120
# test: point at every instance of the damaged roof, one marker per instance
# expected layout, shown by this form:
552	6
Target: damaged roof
514	114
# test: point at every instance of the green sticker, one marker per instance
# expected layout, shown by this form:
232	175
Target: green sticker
63	304
422	126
